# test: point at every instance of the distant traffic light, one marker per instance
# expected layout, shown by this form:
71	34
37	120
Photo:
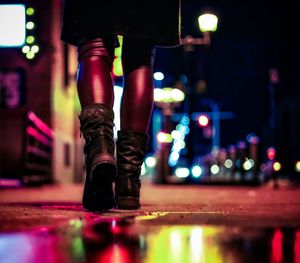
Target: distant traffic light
271	153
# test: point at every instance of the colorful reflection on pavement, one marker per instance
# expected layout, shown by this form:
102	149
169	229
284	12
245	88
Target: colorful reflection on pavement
141	239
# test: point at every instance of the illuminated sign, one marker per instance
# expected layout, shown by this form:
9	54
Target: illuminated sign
12	25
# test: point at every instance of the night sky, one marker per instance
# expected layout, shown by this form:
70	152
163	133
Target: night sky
251	38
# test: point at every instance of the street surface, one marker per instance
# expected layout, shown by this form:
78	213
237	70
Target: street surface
177	223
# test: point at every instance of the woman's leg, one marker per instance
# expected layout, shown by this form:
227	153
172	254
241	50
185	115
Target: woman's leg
95	90
136	109
137	100
94	81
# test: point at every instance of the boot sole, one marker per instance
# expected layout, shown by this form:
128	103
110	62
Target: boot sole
128	202
98	190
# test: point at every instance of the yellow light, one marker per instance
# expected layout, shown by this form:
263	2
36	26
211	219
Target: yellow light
117	65
30	39
35	48
118	69
164	137
29	11
196	244
297	166
247	165
29	25
158	95
167	95
30	55
208	22
118	50
276	166
25	49
177	95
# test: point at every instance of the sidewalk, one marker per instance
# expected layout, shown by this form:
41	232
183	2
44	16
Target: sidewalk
185	204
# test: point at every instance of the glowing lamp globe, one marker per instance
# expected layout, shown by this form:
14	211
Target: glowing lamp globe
208	23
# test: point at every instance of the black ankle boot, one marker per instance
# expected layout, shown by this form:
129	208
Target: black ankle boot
96	125
131	149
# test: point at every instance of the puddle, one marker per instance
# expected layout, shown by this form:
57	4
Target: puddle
124	240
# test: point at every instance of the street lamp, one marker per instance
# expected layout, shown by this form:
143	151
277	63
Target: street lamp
207	23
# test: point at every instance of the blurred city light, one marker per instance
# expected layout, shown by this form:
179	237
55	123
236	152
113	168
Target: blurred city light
168	95
297	166
179	145
164	137
150	161
143	169
29	25
214	169
177	135
25	49
248	164
30	11
185	120
173	158
182	172
117	64
35	48
277	166
203	120
118	93
158	76
228	163
196	171
208	23
30	39
30	55
117	67
271	153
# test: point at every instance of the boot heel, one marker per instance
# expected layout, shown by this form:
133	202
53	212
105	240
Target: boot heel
98	190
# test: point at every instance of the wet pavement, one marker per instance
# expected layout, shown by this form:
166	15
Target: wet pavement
175	224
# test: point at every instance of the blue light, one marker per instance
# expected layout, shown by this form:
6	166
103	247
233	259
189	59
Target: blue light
183	79
185	120
184	129
173	158
12	25
196	171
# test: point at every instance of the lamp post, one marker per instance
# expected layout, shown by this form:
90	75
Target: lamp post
207	23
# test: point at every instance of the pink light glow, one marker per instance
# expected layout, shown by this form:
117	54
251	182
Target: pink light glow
40	124
34	133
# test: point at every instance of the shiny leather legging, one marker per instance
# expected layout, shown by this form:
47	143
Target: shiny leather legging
95	84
